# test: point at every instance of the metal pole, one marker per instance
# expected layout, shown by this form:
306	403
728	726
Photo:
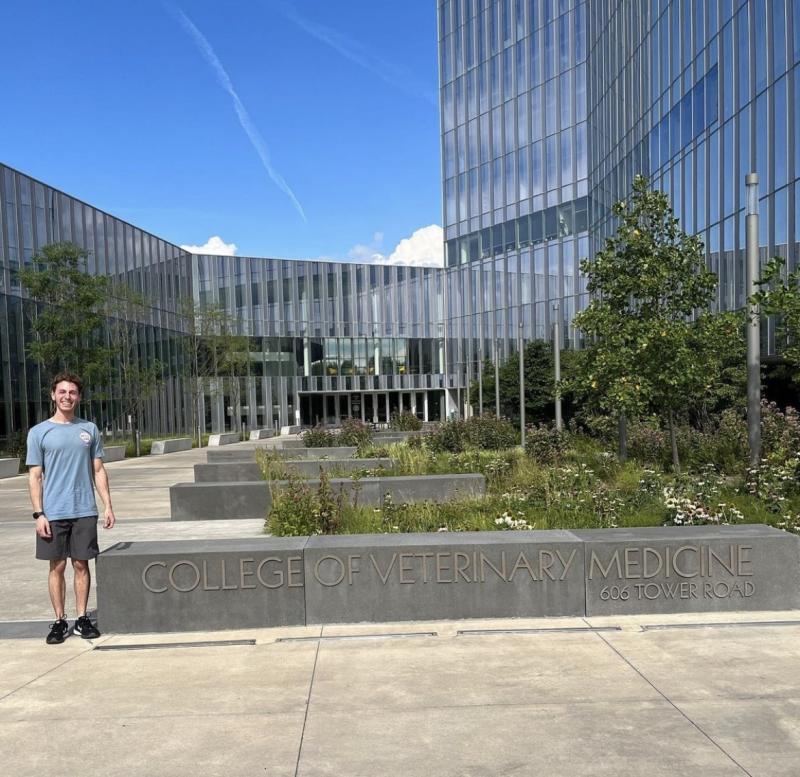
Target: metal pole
521	386
557	363
496	379
753	324
480	376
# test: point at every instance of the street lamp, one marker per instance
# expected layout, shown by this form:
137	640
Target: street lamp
557	362
496	378
521	383
753	324
480	373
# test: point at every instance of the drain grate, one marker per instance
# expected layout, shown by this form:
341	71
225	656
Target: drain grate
168	645
556	630
726	625
335	637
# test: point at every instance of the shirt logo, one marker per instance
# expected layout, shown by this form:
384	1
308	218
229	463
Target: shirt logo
86	438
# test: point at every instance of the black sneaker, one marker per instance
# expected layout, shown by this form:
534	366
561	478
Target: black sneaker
86	628
58	632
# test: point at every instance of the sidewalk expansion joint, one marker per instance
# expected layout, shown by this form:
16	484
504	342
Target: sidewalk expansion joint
169	645
725	625
339	637
555	630
672	704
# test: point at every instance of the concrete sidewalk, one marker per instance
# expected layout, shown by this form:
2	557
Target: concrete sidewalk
452	699
716	695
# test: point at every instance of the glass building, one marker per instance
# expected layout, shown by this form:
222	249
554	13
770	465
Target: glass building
325	340
551	107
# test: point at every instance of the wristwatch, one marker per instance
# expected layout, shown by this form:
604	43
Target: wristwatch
37	515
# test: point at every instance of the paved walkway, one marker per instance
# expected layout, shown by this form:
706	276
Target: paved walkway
660	696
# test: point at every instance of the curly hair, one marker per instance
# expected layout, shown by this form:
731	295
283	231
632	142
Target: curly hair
69	377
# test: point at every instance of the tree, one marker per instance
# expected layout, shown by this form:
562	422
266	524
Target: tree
781	298
539	384
649	314
215	351
139	376
67	320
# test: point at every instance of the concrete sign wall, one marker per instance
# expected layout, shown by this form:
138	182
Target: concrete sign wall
695	569
266	581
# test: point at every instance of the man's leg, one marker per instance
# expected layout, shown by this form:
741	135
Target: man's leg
83	582
57	585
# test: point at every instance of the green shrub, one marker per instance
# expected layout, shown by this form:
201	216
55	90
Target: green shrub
545	444
488	433
354	433
485	433
448	436
405	422
319	437
301	511
272	465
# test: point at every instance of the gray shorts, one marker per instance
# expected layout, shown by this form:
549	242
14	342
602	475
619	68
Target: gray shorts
74	538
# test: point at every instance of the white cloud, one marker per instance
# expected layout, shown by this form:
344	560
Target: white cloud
424	248
214	246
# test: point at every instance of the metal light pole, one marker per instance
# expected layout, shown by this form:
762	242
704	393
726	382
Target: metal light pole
753	324
496	378
521	386
480	376
557	363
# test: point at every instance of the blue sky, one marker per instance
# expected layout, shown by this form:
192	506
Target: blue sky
297	130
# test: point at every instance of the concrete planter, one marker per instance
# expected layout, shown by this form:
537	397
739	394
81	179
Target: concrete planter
261	434
113	453
239	471
251	499
225	438
213	501
160	447
9	468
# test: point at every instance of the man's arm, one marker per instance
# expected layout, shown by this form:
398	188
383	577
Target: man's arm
35	489
101	481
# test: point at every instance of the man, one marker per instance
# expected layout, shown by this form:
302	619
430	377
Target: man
65	457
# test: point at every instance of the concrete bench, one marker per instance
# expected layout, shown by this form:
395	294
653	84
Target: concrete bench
160	447
311	467
292	442
113	453
214	501
249	454
336	452
251	499
224	438
216	456
261	434
285	430
236	471
9	468
402	489
191	585
227	472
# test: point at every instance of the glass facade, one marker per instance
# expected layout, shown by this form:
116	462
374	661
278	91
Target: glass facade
326	340
548	110
551	107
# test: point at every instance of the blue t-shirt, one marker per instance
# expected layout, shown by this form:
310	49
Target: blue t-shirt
66	452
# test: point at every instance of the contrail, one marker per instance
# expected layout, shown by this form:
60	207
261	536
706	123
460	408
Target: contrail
244	118
392	74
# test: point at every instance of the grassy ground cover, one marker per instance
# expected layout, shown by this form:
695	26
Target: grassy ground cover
580	485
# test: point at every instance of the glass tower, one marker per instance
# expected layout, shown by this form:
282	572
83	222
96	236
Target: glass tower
551	107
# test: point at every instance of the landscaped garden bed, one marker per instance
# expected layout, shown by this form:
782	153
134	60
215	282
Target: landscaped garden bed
569	480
